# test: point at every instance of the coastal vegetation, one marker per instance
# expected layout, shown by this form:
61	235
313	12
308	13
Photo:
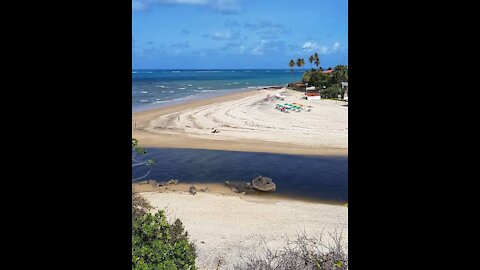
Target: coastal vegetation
136	151
157	244
291	64
329	83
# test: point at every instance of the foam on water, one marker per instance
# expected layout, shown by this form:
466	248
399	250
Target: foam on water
159	84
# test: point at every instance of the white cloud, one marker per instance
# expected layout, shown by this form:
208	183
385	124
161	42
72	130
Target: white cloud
336	46
258	49
221	35
218	5
241	49
324	50
313	46
309	46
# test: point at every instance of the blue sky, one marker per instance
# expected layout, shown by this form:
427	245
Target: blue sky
210	34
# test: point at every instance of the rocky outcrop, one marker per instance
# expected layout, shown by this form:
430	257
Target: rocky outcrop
248	185
265	184
228	184
172	182
192	190
169	182
153	182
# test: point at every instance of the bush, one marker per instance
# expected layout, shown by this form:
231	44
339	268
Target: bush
317	78
332	92
140	206
303	253
156	244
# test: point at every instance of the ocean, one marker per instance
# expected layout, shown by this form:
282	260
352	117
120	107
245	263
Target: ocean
156	88
317	178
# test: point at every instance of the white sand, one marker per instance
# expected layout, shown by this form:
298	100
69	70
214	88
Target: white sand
223	227
252	118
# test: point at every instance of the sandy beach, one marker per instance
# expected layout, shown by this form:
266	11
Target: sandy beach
225	225
247	122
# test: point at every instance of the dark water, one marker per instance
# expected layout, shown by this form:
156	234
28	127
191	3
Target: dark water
319	178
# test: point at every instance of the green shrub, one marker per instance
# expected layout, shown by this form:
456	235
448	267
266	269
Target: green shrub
317	78
332	91
156	244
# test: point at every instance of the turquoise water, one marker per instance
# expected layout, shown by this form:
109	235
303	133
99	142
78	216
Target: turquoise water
154	88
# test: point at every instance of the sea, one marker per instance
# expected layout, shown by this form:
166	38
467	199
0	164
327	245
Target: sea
156	88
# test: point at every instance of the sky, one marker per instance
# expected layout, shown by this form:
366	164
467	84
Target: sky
237	34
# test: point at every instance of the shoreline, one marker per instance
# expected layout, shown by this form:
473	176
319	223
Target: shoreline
148	136
220	189
176	102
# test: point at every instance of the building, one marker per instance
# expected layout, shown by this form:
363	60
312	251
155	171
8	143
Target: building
328	72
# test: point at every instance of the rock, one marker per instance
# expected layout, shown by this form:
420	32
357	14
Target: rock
162	184
153	182
244	193
227	183
248	185
172	182
264	184
204	189
234	190
192	190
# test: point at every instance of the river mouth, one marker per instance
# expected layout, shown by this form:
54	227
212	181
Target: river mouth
310	178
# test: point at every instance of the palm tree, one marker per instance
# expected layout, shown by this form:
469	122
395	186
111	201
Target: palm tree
316	59
311	59
300	62
341	73
291	64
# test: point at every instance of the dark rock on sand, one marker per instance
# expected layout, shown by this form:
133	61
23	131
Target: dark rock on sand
244	193
234	190
204	189
248	185
172	182
227	183
192	190
264	184
162	184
